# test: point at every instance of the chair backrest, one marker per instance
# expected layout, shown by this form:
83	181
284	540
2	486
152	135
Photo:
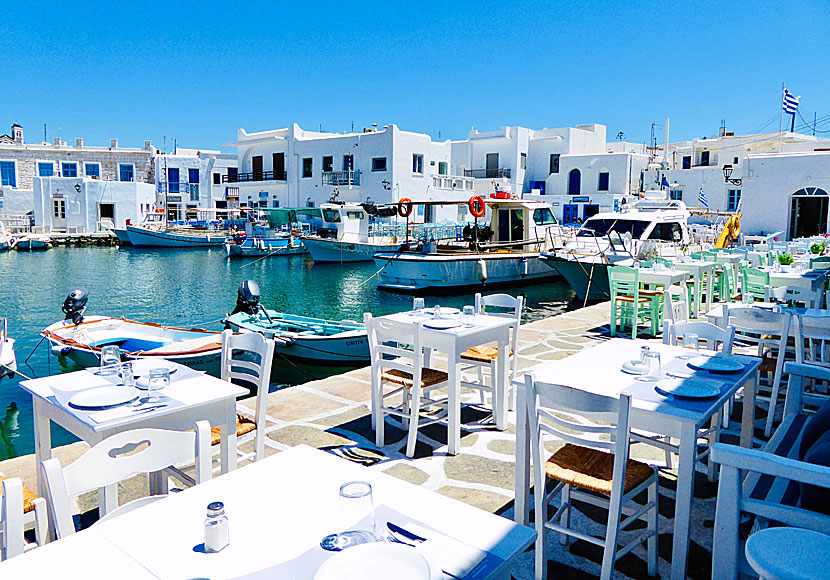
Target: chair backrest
752	323
11	518
394	345
820	263
714	335
119	457
607	427
507	306
755	283
793	295
676	310
624	280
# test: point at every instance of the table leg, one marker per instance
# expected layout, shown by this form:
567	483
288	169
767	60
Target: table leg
748	411
683	500
500	392
710	290
227	443
522	484
696	286
43	451
454	403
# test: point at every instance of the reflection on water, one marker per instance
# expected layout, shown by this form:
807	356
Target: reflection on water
188	288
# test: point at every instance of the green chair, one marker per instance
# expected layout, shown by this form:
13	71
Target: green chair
755	283
628	305
820	263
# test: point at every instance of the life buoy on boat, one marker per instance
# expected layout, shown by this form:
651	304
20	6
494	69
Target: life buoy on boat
476	206
404	207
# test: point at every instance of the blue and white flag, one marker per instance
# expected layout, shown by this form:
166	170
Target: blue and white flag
665	184
790	103
701	198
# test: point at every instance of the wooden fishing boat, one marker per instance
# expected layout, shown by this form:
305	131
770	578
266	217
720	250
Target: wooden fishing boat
261	247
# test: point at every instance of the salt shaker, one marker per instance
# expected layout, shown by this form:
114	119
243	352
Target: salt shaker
127	376
216	527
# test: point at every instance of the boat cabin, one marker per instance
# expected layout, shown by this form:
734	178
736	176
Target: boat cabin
344	222
647	219
516	220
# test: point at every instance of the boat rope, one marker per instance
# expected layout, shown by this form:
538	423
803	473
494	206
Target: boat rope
15	371
389	261
257	260
290	362
42	338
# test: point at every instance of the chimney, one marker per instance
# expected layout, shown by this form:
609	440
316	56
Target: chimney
374	127
57	141
113	143
17	134
147	145
79	142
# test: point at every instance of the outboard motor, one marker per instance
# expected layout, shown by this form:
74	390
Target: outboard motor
247	298
75	305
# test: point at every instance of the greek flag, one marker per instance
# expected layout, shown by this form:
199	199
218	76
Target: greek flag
790	103
665	184
701	198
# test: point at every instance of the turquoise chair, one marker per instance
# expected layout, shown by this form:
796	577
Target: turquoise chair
755	283
629	304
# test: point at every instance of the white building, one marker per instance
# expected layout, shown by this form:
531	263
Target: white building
194	178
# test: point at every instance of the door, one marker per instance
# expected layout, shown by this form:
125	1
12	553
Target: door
492	165
428	214
193	183
59	213
106	214
591	209
808	213
574	182
570	213
256	167
279	166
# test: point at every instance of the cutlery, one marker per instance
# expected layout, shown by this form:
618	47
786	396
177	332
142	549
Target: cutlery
140	410
678	375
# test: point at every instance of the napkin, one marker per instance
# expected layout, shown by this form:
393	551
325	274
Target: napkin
454	556
112	414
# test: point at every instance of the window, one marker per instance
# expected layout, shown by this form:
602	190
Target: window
603	181
7	173
328	163
666	232
734	161
523	161
217	178
378	163
193	176
276	203
106	211
232	173
45	169
442	168
602	226
574	182
92	169
172	179
307	166
59	208
733	200
69	169
543	217
126	172
676	194
687	162
331	215
704	158
554	163
418	163
348	163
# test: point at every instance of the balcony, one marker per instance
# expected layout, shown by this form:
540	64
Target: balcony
488	173
258	176
341	177
189	189
452	182
231	192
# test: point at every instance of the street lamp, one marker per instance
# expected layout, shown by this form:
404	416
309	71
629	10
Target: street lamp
727	173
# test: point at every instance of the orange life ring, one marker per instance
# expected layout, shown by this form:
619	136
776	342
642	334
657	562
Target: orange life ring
404	207
476	206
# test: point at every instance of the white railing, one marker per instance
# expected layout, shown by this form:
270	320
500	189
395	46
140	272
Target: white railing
453	182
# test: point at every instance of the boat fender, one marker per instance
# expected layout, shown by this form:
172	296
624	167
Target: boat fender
404	207
58	349
481	270
525	267
476	206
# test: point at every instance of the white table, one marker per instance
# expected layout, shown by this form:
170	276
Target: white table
453	342
812	280
663	278
698	269
597	369
279	509
806	557
193	396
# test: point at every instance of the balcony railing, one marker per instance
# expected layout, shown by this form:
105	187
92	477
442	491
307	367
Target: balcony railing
452	182
488	173
189	189
256	176
231	192
341	177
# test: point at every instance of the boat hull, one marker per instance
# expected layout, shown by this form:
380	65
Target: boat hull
265	248
7	358
414	273
323	250
122	236
147	238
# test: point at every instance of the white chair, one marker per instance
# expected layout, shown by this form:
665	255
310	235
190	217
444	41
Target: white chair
676	308
20	509
119	457
714	336
486	357
595	469
246	360
404	367
796	294
769	330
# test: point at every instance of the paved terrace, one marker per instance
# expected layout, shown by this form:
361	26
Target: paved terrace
333	414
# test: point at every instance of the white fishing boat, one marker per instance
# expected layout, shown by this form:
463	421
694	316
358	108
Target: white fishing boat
8	362
202	230
652	226
345	235
503	253
81	338
252	247
33	242
7	240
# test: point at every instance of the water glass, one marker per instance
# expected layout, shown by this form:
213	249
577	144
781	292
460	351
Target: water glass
654	371
110	360
691	346
356	507
747	298
418	305
127	376
469	314
158	380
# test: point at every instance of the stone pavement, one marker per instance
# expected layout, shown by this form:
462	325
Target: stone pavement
333	414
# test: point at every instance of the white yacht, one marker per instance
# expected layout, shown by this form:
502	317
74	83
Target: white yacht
643	228
503	253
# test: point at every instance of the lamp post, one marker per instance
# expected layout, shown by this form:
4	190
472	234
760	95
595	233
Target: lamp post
727	175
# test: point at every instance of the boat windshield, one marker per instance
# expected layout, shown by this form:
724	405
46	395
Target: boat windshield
544	217
598	227
331	215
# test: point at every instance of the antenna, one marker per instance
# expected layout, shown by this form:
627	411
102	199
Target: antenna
44	132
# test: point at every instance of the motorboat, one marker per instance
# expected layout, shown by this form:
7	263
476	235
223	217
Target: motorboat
346	236
300	338
645	227
251	247
8	362
7	240
81	338
204	230
33	242
503	252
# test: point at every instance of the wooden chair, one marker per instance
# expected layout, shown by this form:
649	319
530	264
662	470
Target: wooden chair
486	357
595	469
797	296
627	303
246	360
403	367
755	283
20	509
119	457
675	310
713	335
820	263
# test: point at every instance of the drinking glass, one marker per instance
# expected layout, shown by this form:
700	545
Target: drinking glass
691	346
418	305
110	360
469	314
356	507
158	380
653	365
747	298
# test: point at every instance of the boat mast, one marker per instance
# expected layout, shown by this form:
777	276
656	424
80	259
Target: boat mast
166	181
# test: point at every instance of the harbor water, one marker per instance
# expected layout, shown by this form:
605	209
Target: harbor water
186	288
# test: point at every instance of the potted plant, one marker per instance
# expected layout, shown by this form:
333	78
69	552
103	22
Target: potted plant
816	248
785	259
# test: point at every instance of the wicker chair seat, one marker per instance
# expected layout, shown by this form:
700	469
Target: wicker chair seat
482	353
429	377
243	425
625	298
651	293
28	498
591	469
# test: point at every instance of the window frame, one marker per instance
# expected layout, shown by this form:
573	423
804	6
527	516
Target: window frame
65	164
121	167
375	167
417	163
308	167
44	163
554	163
12	164
92	164
733	195
686	162
676	194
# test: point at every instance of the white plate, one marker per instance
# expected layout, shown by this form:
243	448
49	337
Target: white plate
375	561
634	367
445	311
103	398
689	388
441	324
716	364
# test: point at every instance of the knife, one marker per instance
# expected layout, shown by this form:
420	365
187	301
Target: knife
415	538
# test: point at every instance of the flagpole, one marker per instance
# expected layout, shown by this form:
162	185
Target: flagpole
781	118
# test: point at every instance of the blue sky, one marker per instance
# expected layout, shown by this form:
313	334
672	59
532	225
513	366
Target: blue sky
199	71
